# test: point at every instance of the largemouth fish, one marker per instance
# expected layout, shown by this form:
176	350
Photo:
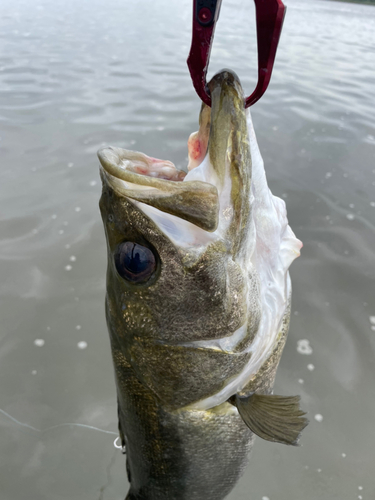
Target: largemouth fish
197	305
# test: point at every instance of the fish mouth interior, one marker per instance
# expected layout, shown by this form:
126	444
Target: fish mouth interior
161	169
141	164
135	167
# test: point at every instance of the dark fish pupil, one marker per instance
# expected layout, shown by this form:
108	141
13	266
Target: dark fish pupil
134	262
137	259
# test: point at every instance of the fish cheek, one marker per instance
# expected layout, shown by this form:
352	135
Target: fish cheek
129	315
201	301
222	306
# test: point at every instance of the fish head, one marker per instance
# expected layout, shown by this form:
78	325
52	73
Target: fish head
183	298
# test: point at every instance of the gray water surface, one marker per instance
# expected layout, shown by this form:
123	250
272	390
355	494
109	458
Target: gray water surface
75	75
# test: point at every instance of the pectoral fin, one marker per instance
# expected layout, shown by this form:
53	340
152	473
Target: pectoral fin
274	418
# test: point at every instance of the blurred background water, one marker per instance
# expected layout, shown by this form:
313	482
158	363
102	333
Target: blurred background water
75	75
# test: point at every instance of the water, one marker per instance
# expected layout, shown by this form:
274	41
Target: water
77	75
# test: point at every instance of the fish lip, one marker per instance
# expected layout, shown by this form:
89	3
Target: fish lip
121	163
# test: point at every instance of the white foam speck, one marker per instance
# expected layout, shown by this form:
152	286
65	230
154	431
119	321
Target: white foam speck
343	455
54	216
72	258
359	497
372	320
70	165
160	128
301	381
304	347
68	267
351	205
350	216
311	367
78	327
318	417
34	372
328	175
92	183
82	344
372	203
318	470
39	342
77	209
265	498
61	231
360	487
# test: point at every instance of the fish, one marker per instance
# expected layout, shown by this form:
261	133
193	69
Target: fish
197	305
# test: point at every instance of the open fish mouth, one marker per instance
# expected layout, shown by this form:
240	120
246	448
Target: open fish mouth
213	195
119	163
222	205
186	211
139	163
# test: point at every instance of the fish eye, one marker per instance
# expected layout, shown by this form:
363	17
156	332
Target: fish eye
134	262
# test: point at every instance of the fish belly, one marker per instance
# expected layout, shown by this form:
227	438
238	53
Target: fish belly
183	454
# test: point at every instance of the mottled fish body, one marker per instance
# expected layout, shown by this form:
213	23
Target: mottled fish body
197	305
